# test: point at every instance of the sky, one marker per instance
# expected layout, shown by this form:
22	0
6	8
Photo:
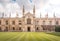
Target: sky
42	7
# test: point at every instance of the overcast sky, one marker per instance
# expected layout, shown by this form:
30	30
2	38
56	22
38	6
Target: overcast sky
42	6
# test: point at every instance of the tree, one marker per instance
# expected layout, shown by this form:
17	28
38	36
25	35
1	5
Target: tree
57	28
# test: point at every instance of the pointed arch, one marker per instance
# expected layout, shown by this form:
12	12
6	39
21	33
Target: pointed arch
13	28
28	21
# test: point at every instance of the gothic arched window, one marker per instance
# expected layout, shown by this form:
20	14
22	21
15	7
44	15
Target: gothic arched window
57	22
28	21
50	22
6	22
6	28
13	22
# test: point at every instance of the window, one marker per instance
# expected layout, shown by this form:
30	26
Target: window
6	22
19	23
19	20
0	22
6	28
28	21
57	22
13	22
50	22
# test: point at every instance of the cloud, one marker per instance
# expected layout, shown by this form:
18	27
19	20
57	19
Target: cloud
42	6
53	6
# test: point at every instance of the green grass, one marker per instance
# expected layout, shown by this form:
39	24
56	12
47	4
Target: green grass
29	36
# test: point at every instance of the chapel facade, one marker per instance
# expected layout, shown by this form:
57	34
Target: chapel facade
28	23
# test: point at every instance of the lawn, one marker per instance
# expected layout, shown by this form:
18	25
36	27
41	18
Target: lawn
29	36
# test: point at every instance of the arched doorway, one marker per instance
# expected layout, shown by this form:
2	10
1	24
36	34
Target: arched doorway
20	29
13	28
28	29
37	29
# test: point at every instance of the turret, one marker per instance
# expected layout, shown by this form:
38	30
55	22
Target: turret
54	15
34	10
46	16
2	15
23	10
10	15
16	14
40	15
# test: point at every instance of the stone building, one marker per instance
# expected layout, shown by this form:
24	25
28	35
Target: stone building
28	23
